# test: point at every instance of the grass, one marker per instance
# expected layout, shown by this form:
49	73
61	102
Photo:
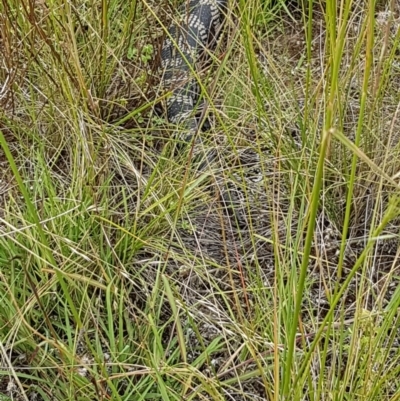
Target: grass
125	276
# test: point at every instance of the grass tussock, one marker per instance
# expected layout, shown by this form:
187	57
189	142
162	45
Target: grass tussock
125	274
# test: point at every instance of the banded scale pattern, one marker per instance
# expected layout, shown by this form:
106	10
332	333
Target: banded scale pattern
185	49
